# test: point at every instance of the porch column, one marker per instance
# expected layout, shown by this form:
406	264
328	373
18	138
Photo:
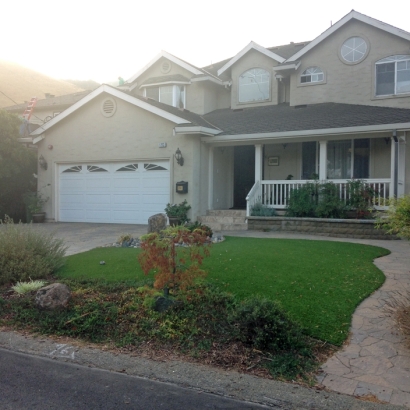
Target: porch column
322	160
211	178
401	172
258	162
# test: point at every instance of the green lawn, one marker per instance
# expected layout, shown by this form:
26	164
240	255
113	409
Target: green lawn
320	283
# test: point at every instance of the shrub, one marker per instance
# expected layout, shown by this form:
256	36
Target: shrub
263	324
398	217
179	211
303	200
26	253
360	197
198	225
262	210
329	204
25	287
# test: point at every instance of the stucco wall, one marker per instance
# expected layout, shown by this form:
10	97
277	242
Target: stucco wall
344	83
253	59
131	134
289	161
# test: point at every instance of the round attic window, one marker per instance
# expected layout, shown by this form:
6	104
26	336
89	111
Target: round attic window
166	66
108	107
354	50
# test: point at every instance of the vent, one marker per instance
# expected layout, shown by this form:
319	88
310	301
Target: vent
108	107
166	66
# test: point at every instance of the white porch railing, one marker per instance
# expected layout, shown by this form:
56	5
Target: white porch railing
276	193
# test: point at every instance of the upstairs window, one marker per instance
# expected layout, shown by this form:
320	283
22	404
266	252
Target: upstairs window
254	85
312	75
168	94
393	75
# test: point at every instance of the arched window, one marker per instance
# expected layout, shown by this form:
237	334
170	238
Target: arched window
312	75
254	85
393	75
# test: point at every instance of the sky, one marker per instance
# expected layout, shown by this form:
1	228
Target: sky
100	40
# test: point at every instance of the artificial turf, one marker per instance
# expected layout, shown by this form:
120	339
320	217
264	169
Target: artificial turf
319	283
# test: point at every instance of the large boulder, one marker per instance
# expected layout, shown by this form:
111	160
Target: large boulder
157	223
54	296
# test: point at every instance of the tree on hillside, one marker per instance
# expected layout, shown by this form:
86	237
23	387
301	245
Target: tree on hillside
17	165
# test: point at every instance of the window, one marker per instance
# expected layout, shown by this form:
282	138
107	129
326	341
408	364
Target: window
168	94
348	159
254	85
312	75
354	49
393	75
309	160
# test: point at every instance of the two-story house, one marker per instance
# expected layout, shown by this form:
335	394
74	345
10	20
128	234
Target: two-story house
247	128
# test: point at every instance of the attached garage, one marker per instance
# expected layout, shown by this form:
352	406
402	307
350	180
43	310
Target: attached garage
113	192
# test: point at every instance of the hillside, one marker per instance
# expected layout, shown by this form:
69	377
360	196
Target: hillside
21	84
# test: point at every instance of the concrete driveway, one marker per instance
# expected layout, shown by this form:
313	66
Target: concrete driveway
81	237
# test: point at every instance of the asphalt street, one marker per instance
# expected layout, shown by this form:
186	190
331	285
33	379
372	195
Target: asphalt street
30	382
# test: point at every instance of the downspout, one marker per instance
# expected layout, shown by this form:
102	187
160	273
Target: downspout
396	163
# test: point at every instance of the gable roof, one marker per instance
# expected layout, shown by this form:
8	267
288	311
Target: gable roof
352	15
139	102
176	60
251	46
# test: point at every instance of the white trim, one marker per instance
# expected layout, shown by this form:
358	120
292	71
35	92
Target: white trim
295	66
38	139
170	57
251	46
352	15
207	78
116	93
165	83
309	133
196	130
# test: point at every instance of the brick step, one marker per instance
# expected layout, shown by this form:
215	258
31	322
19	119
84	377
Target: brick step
227	212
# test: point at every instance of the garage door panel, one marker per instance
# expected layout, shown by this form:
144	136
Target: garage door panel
98	183
130	196
72	184
125	199
76	200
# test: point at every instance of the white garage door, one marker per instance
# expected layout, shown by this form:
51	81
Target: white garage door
127	192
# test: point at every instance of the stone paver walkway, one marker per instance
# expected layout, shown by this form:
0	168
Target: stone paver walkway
376	362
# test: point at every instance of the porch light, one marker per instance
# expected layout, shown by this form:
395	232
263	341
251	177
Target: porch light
179	157
42	162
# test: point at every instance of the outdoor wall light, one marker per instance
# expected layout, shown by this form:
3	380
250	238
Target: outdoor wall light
179	157
42	162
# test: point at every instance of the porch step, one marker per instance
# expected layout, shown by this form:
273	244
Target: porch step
225	220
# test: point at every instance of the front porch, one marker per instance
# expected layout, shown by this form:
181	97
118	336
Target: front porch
276	194
242	175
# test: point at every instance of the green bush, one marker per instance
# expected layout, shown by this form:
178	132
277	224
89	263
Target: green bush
262	210
360	197
26	253
398	217
303	200
329	204
263	324
198	225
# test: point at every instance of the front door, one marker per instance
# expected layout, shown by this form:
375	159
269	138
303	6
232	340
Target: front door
244	174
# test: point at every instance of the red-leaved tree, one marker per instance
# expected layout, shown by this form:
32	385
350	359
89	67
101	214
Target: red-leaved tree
175	255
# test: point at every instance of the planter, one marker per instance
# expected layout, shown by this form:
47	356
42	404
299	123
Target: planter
174	221
39	217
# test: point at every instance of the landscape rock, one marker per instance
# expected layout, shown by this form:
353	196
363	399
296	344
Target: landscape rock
157	223
54	296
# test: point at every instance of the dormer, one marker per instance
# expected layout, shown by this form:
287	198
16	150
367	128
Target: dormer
252	77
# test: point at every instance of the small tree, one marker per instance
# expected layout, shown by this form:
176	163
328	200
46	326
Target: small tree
175	255
398	217
17	165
